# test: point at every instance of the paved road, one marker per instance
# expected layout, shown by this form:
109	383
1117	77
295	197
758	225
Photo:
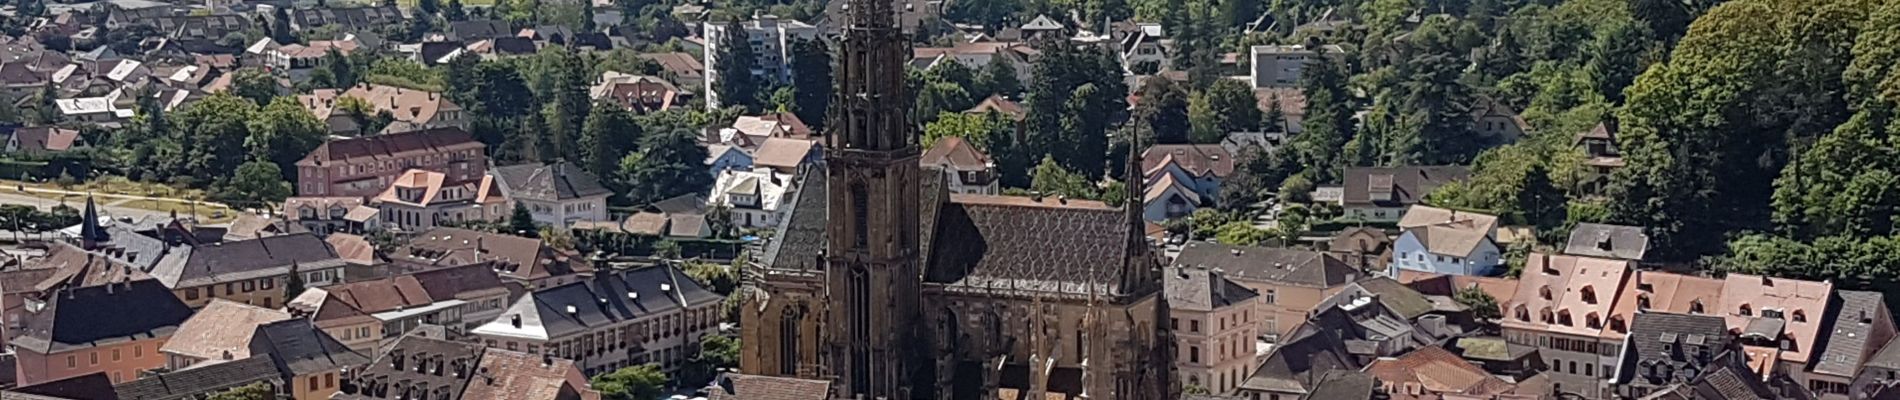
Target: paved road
14	197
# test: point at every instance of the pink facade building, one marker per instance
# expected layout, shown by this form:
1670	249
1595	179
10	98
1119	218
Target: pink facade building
364	166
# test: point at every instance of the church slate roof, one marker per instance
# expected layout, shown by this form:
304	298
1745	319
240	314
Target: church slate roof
1019	243
1048	244
799	240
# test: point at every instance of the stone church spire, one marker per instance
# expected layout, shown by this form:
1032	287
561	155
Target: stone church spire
868	110
874	283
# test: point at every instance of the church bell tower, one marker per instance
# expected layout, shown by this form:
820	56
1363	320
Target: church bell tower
872	271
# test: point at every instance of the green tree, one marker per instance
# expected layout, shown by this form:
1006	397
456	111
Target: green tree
521	222
1328	123
567	103
609	134
1164	108
732	67
46	106
1052	180
978	129
668	165
718	278
1078	94
211	136
428	7
631	383
1482	305
811	81
454	11
1241	233
342	70
258	184
280	30
254	391
1226	106
999	78
938	98
256	85
284	133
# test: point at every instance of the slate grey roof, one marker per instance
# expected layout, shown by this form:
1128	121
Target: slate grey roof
1409	185
1299	364
349	18
247	259
134	248
1403	300
549	182
796	244
1667	348
1071	249
298	348
1852	322
93	386
1607	241
1342	385
193	382
1264	264
397	364
1730	378
1195	289
1889	355
96	315
473	30
628	295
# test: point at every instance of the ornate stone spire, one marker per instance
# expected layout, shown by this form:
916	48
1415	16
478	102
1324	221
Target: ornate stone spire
868	107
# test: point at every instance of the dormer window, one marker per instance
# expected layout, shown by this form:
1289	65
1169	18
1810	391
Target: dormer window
1544	292
1642	301
1545	316
1746	311
1800	316
1616	324
1589	295
1695	306
1523	314
1593	321
1563	317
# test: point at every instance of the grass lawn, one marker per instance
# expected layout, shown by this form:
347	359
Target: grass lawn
205	211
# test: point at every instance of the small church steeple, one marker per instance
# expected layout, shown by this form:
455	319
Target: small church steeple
90	234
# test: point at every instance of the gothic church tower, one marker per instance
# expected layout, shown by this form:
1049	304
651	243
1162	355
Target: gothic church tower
871	259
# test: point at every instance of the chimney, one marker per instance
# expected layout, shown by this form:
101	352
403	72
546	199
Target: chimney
1217	283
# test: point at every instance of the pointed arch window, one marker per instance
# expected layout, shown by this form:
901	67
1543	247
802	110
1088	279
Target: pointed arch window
788	340
860	292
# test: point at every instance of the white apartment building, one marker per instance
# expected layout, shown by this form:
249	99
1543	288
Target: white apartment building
1282	65
772	41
